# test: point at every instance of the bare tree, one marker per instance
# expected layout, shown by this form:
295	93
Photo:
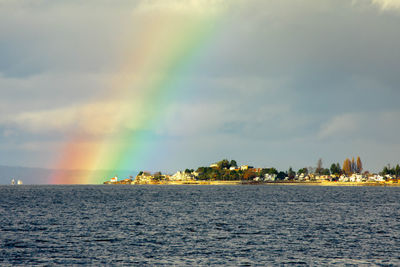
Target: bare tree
359	165
318	170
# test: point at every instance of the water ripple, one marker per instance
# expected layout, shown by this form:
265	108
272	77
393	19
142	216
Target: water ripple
199	225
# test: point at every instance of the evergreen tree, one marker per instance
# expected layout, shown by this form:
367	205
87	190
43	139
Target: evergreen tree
281	176
291	173
339	169
233	163
388	170
325	172
397	171
303	170
335	169
223	164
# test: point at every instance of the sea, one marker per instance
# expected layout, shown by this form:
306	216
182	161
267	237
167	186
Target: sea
192	225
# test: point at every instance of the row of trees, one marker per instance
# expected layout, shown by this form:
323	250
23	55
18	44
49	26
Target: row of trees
352	166
320	170
349	167
223	172
226	164
395	171
208	173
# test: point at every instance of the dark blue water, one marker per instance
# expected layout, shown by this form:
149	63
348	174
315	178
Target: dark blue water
199	225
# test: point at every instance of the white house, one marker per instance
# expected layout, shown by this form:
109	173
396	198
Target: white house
270	177
378	178
244	167
182	176
344	178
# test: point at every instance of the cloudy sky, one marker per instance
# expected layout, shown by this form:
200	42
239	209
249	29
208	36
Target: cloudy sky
277	83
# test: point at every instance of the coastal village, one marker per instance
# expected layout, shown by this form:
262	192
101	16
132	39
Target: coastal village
228	172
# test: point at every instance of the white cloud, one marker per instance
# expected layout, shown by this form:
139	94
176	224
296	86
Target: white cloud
272	71
379	126
387	4
187	6
92	119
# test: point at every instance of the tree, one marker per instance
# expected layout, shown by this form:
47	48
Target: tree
391	171
272	171
281	175
397	171
233	163
268	171
385	170
347	166
303	170
291	173
353	166
223	164
318	170
157	176
249	175
336	169
359	165
333	168
234	176
325	172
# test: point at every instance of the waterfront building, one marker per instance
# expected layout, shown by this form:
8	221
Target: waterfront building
244	167
182	176
270	177
145	177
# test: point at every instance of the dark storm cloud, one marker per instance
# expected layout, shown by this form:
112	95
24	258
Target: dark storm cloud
281	81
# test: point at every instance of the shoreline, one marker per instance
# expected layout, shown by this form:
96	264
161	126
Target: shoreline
289	183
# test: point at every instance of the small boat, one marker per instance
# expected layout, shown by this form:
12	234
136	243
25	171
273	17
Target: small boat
13	182
19	182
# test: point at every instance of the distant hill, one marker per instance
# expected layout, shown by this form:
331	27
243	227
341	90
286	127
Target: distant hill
44	176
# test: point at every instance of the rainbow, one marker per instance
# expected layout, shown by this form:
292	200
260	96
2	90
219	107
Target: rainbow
152	73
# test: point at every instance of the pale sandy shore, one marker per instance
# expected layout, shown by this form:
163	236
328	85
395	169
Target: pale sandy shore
196	183
322	183
336	184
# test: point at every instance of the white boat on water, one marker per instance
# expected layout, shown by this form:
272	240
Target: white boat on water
19	182
12	182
